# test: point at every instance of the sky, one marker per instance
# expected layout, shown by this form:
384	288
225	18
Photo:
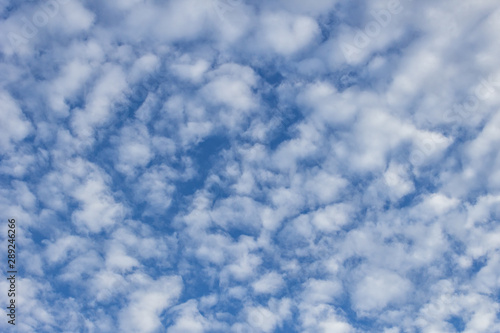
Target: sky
189	166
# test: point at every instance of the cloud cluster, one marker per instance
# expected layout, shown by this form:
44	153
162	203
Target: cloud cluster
265	166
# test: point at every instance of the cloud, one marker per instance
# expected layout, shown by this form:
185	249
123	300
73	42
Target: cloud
98	209
285	33
15	127
107	91
134	150
231	86
267	319
378	289
148	302
270	283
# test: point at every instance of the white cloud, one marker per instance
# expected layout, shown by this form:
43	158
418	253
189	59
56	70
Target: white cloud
244	267
64	246
321	291
117	259
145	65
87	184
147	303
285	33
322	318
75	17
332	218
236	212
134	150
108	90
231	85
14	125
327	104
98	209
73	77
190	320
398	180
266	319
270	283
378	289
192	70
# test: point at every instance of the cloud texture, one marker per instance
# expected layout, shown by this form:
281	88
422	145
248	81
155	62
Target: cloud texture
252	166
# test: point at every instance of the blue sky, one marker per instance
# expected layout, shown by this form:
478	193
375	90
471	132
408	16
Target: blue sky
252	166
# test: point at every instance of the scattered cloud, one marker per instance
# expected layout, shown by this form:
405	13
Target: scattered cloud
239	166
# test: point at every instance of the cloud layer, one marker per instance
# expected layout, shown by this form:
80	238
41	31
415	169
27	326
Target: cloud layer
252	166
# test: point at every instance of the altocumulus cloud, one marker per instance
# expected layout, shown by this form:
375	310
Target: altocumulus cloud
252	166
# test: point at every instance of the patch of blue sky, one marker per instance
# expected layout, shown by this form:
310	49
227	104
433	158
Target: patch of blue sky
458	323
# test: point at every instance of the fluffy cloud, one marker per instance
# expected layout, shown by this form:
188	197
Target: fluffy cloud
287	34
148	302
15	126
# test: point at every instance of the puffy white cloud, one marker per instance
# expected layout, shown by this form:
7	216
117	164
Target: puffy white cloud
98	109
62	89
267	319
231	85
87	185
322	318
236	212
285	33
64	246
98	209
189	69
14	125
74	17
270	283
321	291
398	180
134	150
327	104
378	289
147	303
189	319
